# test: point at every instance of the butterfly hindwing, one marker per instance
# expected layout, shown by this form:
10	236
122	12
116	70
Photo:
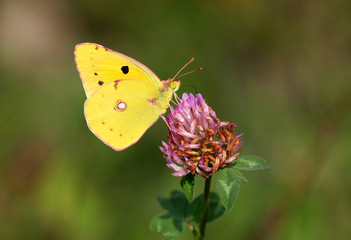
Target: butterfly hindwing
121	111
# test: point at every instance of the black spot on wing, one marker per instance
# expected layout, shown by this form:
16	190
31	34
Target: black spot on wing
95	73
125	69
100	83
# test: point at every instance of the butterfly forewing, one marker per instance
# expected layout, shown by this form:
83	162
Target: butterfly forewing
98	66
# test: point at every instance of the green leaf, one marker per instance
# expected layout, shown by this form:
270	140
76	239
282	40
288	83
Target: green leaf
228	184
248	162
196	208
176	205
240	175
171	223
187	183
167	225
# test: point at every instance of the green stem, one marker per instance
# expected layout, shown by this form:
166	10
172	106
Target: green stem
206	207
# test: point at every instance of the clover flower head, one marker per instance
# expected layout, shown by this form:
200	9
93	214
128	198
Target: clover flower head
197	141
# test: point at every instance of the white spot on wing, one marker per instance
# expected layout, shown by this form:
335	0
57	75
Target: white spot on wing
120	106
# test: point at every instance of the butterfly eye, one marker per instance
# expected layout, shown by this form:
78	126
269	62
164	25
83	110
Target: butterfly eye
120	106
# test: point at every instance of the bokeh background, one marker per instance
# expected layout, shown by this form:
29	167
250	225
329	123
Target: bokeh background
280	69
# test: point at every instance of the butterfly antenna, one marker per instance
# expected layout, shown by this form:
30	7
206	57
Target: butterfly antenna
192	59
199	69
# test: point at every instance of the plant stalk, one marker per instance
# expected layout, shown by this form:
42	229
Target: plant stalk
206	207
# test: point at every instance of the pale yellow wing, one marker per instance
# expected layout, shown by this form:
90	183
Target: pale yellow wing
98	65
121	111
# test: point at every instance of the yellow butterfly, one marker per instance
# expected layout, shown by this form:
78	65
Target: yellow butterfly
124	97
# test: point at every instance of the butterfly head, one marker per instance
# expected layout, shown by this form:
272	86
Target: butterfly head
171	85
175	84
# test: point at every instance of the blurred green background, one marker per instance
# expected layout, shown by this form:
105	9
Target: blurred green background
280	69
